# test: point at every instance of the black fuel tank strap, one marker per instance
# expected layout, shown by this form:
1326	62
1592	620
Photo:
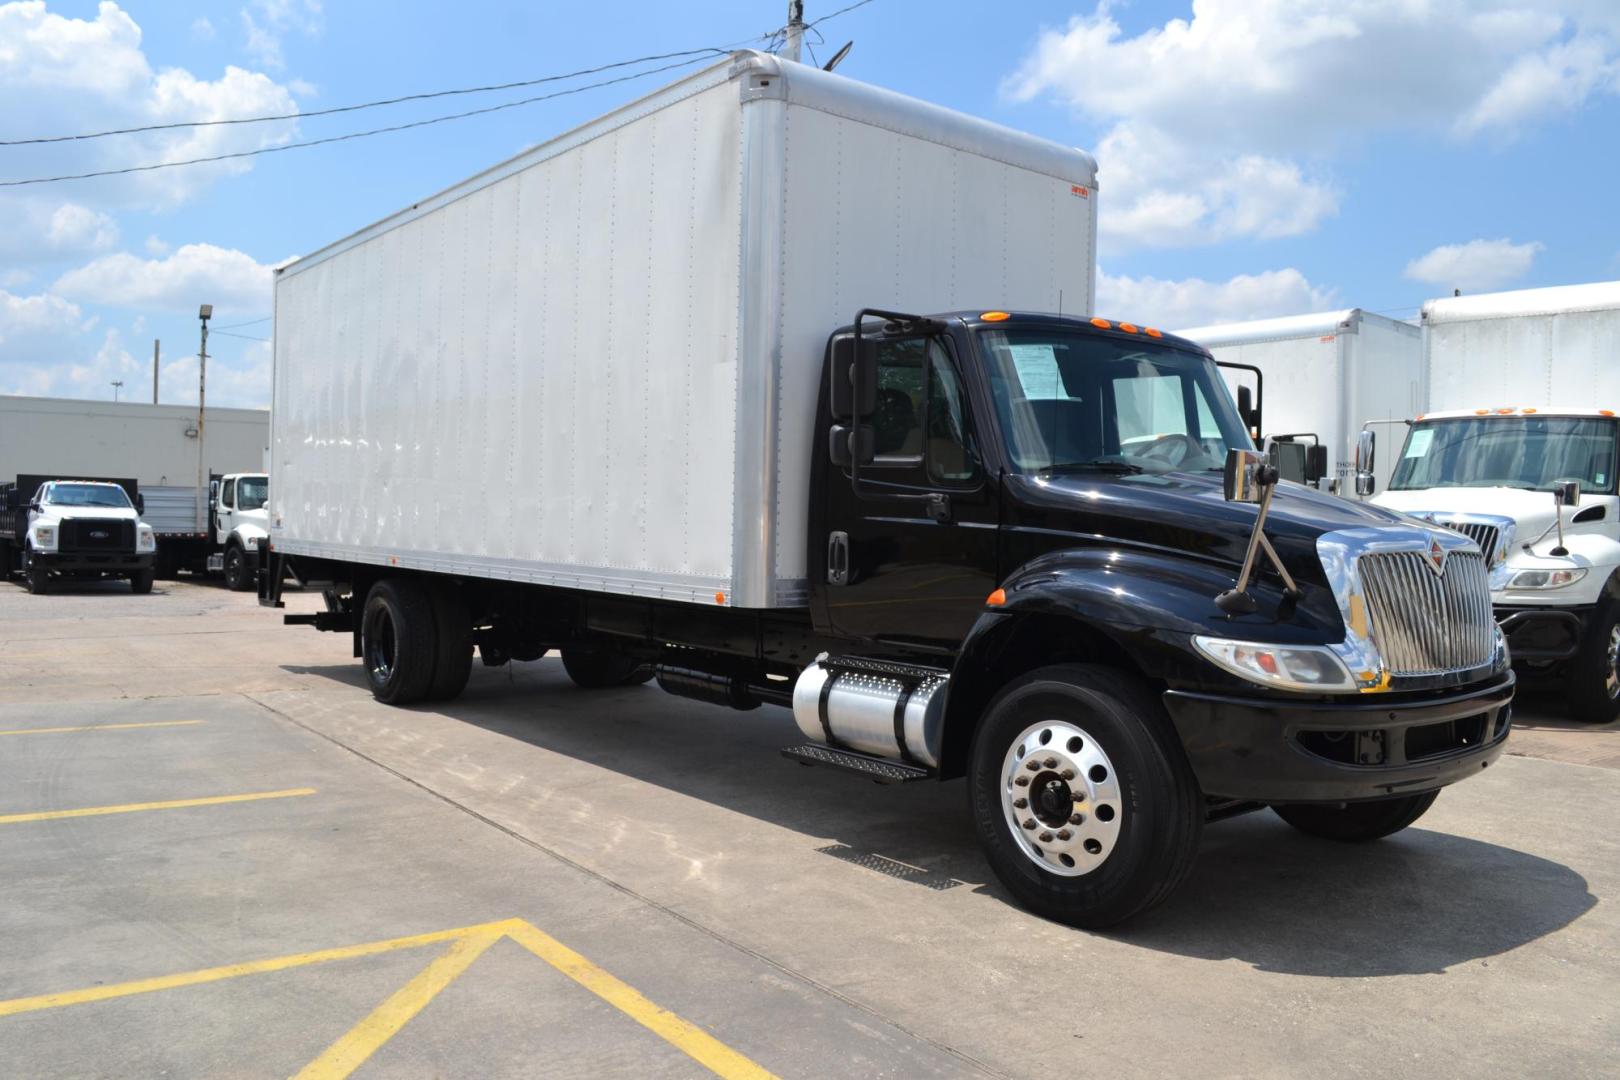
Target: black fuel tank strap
821	707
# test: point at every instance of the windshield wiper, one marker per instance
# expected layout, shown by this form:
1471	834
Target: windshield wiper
1107	465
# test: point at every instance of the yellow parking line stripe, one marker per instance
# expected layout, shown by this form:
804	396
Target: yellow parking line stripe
100	727
686	1037
131	808
363	1040
230	971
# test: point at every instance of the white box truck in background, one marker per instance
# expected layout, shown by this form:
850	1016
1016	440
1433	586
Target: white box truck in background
1326	375
1517	446
649	395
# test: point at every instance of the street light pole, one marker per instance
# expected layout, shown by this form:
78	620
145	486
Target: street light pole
116	383
204	313
794	33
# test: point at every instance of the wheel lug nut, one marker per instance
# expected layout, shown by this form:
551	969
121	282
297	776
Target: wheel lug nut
1067	774
1019	804
1077	819
1032	765
1022	781
1064	834
1051	763
1029	823
1046	838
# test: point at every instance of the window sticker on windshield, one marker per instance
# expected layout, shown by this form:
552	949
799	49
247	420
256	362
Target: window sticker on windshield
1600	480
1037	370
1418	444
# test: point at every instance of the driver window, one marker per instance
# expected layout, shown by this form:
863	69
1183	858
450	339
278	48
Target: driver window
227	495
920	422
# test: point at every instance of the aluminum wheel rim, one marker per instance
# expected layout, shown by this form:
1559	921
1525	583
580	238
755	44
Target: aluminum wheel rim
1611	678
1061	798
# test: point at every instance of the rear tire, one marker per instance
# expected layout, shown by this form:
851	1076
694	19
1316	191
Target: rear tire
453	653
1121	838
1594	695
598	668
35	577
1358	822
238	577
140	582
397	632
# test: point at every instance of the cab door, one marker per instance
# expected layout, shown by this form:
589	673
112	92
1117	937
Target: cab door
912	557
225	511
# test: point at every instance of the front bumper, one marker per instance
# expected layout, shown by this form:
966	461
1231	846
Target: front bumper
1544	633
1370	747
70	562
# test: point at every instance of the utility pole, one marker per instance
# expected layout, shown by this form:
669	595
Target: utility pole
116	383
155	344
204	313
794	39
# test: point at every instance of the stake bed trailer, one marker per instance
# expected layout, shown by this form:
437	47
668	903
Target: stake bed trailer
606	399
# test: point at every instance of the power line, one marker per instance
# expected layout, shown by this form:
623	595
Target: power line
352	134
238	326
362	105
244	337
835	14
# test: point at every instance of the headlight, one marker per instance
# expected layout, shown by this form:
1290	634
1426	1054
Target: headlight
45	536
1546	579
1312	668
254	541
144	540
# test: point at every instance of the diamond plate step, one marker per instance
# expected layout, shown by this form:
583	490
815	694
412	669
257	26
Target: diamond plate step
879	769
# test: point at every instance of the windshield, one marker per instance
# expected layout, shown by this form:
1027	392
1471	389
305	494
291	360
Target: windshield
251	492
1528	452
1074	401
86	495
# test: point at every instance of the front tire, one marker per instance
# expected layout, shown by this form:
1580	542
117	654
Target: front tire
1357	822
1594	696
397	631
36	578
598	668
1084	801
238	577
140	582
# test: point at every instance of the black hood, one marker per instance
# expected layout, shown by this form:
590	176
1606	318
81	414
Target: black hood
1185	512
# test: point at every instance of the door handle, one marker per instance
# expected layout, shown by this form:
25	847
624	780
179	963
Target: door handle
838	558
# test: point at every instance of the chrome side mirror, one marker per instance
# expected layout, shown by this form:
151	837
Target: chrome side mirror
1366	480
1247	476
1565	493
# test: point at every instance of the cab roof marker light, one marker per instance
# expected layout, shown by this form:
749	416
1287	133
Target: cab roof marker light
1150	332
1527	412
995	316
1129	328
1504	412
1605	412
1102	324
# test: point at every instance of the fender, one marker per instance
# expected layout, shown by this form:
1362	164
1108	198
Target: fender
1130	609
249	535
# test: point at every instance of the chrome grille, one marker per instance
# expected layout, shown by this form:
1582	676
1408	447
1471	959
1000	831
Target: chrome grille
1480	533
1427	623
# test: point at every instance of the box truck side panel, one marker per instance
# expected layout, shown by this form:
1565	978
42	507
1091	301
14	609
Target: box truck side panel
536	379
1303	384
1386	377
909	223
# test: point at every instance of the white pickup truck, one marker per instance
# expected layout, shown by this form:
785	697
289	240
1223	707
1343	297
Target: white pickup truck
1536	489
82	529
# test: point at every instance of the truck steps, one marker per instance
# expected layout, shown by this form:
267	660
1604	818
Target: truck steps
878	770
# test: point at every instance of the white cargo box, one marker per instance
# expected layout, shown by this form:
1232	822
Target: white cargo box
1539	348
596	365
1326	374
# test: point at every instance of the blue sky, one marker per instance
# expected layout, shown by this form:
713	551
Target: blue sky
1257	157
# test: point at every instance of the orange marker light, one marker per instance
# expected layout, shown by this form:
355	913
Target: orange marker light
995	316
1102	324
997	598
1150	332
1129	328
1527	412
720	598
1420	416
1482	412
1605	412
1504	412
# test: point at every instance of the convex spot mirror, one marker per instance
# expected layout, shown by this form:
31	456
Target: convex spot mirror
1247	475
854	386
1567	492
845	444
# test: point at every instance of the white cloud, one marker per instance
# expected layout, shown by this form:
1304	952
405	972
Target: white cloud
156	246
194	274
39	230
202	28
1196	302
69	76
1214	122
267	22
1478	264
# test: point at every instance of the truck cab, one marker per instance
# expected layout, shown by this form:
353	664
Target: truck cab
238	525
1536	488
79	529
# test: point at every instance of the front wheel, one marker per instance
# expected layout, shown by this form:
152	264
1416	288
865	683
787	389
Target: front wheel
1357	822
1083	798
238	576
1594	695
36	578
140	582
